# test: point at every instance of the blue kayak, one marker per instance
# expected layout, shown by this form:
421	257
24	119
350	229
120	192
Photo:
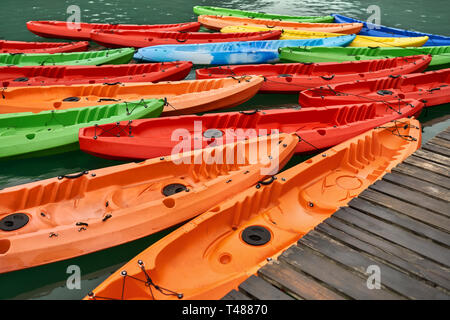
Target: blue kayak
370	29
243	52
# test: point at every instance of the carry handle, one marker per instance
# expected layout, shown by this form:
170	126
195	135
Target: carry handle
78	175
327	78
249	113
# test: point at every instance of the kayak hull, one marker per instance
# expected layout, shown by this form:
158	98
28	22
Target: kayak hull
82	31
232	241
219	22
231	52
216	11
433	88
360	41
132	200
142	39
27	135
440	55
182	97
91	58
41	47
290	78
383	31
151	138
70	75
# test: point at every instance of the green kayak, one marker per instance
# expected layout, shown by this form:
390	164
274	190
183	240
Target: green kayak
441	55
116	56
217	11
27	134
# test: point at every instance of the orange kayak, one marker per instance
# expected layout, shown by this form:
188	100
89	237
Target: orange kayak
219	22
214	253
69	216
183	97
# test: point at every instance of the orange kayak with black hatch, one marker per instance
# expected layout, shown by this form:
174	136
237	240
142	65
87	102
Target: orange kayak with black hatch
213	253
73	215
182	97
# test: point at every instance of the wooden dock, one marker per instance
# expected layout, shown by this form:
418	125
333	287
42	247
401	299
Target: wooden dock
399	226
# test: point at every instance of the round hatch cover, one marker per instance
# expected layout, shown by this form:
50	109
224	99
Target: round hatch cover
256	235
212	133
14	221
173	188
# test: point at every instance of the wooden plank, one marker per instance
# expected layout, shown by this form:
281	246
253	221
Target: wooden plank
412	196
424	187
421	155
390	277
388	252
422	174
433	166
400	220
395	234
257	288
235	295
440	142
444	135
436	220
295	283
336	276
436	149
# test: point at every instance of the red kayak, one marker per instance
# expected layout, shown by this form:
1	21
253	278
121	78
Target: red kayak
295	77
69	75
64	30
141	39
317	128
433	88
7	46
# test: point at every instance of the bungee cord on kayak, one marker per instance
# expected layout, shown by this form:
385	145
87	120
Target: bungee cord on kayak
147	283
167	134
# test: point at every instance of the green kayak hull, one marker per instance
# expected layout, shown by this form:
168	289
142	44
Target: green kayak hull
217	11
440	60
88	58
27	134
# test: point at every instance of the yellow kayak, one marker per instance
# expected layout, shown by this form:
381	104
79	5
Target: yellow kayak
360	41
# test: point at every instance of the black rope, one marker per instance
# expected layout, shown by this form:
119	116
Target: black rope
300	139
47	59
127	130
166	103
396	132
148	282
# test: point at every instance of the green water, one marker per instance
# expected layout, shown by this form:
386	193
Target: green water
49	282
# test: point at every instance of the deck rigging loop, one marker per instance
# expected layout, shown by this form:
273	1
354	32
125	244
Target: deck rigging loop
249	112
42	63
266	182
395	130
75	176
